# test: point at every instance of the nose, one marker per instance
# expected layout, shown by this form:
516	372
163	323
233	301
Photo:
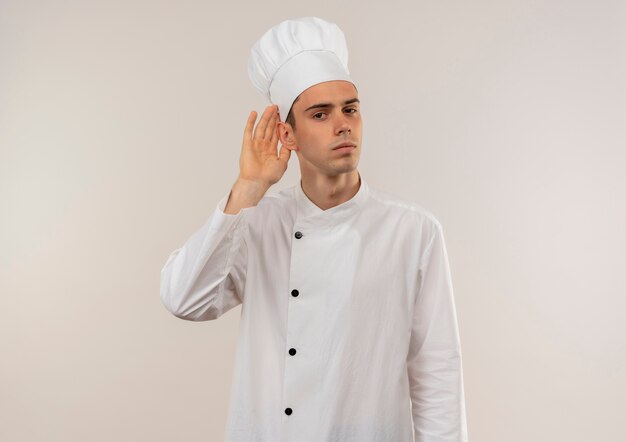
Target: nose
342	124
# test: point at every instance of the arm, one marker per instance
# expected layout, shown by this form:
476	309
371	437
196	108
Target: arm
206	277
434	360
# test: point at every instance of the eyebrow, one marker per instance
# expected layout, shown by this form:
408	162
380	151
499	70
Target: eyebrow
320	105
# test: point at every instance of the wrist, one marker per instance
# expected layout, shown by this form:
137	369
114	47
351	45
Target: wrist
245	193
250	188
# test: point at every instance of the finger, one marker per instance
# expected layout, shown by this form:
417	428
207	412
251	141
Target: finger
247	132
275	137
259	132
284	154
271	126
264	122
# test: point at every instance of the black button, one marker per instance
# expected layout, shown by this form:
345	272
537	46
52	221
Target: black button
292	351
294	292
298	235
287	411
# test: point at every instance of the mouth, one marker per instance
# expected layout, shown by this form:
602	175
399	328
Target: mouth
347	145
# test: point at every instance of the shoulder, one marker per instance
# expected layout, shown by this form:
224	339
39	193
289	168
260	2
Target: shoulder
389	203
276	202
278	197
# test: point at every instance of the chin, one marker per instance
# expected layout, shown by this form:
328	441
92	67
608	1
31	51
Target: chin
347	168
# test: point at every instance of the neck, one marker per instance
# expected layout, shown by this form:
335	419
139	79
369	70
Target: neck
330	191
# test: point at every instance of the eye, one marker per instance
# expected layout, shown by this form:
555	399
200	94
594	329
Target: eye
319	113
352	109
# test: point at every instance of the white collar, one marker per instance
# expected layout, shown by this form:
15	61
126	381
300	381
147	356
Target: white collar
308	214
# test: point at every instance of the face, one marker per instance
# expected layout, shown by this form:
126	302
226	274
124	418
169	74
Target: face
326	115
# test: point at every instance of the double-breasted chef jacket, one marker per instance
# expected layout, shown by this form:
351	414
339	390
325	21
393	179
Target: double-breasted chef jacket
348	328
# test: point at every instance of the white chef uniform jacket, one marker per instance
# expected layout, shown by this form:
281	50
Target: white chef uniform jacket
348	329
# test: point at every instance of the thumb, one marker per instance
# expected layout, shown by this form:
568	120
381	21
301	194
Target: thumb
284	154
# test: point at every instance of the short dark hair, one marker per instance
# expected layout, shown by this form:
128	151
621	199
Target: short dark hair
291	119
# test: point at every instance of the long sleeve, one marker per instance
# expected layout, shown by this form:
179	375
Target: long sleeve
205	278
434	360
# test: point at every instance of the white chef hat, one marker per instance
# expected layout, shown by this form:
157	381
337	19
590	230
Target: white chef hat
295	55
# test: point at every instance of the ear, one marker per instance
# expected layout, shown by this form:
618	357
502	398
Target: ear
286	135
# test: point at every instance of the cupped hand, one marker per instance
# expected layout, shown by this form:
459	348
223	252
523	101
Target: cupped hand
259	161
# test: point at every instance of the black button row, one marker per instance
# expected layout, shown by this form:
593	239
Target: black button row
292	351
294	293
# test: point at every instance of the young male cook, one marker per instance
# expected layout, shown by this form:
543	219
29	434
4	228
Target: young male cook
348	328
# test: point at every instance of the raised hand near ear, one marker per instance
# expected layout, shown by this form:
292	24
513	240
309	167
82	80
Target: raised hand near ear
260	166
259	161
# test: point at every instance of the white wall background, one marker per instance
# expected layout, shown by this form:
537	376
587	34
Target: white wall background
120	128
